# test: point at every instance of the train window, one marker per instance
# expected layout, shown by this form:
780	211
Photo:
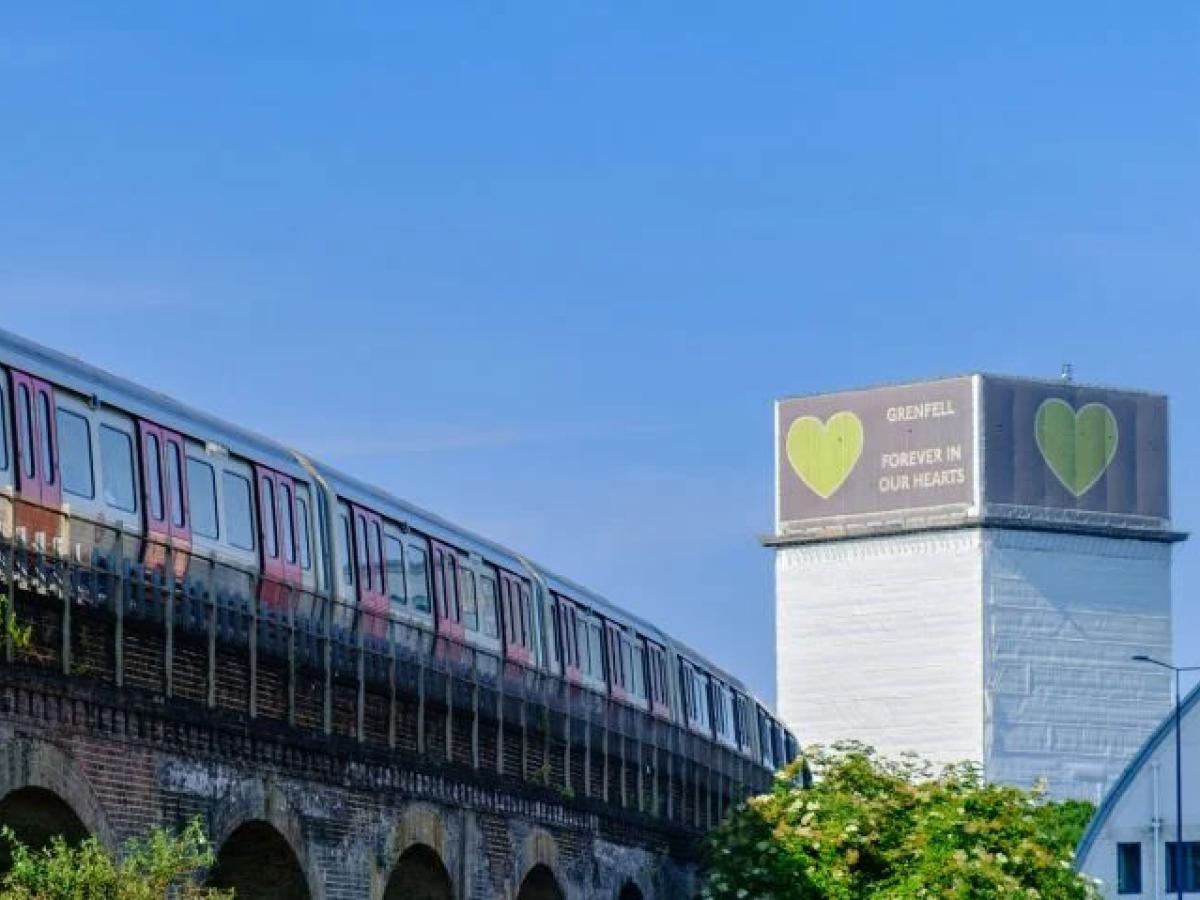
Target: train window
578	639
466	594
344	544
270	527
25	426
287	521
154	477
596	648
764	741
723	710
585	646
638	668
303	534
523	602
360	545
116	469
175	475
417	569
394	561
75	454
202	498
239	515
487	605
48	473
376	553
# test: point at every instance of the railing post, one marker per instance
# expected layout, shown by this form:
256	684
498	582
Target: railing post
587	756
450	714
330	604
621	769
641	775
257	582
545	740
392	685
708	788
500	720
567	745
66	626
360	699
421	703
119	626
212	635
475	710
670	773
169	627
656	811
292	595
10	564
524	741
604	754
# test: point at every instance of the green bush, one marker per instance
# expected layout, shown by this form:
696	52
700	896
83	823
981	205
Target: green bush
150	868
844	823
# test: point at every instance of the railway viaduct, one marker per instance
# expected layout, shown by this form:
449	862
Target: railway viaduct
325	766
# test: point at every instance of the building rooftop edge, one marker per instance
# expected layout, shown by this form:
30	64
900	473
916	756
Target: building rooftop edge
989	376
1154	535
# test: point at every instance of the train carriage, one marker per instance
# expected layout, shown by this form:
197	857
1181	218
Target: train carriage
95	467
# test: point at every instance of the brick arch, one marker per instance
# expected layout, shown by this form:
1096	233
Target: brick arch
421	827
539	846
26	763
539	851
260	801
419	824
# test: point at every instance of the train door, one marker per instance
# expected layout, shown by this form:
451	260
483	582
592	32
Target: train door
372	576
568	627
38	488
6	464
445	590
514	604
164	497
614	636
279	536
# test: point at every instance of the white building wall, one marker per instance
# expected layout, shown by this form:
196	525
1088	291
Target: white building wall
880	640
1142	811
1063	615
1010	648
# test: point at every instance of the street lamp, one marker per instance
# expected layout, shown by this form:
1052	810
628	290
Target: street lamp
1178	767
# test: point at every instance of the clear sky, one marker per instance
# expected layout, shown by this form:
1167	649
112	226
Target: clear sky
543	267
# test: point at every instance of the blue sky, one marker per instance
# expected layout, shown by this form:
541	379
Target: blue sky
543	267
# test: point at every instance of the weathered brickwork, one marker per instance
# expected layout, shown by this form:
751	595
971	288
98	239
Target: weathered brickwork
132	725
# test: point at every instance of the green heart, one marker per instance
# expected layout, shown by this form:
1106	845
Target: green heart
1077	446
825	453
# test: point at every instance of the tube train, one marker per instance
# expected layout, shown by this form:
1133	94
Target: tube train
75	439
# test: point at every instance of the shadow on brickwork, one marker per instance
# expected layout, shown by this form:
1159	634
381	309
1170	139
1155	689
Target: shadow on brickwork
36	815
540	884
258	864
419	875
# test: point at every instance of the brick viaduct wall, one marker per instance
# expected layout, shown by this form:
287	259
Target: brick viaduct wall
132	724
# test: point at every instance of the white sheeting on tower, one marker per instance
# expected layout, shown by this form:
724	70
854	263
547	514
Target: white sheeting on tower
1009	648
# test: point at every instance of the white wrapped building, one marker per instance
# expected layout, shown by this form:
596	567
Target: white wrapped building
964	568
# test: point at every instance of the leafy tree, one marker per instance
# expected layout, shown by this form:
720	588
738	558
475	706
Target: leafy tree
845	823
161	864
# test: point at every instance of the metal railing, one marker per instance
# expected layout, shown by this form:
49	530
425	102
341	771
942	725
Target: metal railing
96	569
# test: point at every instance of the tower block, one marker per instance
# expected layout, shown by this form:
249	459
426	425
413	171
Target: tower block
965	566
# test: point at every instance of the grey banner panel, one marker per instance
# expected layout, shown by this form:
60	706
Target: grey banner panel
1063	446
883	450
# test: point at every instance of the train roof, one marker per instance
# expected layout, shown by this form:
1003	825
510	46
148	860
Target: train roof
114	390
